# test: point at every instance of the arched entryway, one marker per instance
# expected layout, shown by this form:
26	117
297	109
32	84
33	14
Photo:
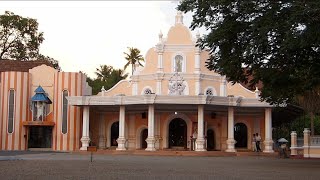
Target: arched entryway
114	133
241	135
178	133
144	136
210	140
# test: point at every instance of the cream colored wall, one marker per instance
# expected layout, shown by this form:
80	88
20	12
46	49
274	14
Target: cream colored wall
151	64
122	87
239	90
43	75
207	83
179	34
147	83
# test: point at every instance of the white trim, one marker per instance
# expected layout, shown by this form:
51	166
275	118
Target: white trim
8	105
62	110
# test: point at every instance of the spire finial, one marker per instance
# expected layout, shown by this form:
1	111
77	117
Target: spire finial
160	36
179	18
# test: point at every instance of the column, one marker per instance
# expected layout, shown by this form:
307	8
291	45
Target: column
102	132
306	143
151	139
268	142
197	87
293	143
230	141
200	139
132	129
85	139
223	87
121	140
160	66
197	61
158	87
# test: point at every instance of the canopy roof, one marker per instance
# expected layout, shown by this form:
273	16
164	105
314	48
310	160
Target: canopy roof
41	96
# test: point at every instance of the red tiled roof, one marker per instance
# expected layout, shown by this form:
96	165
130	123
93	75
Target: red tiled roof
21	66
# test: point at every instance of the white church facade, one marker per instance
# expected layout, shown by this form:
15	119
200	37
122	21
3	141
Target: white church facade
174	102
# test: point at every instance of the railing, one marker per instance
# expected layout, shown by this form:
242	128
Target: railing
315	140
300	142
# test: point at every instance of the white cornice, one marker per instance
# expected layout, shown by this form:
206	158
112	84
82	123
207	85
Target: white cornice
165	99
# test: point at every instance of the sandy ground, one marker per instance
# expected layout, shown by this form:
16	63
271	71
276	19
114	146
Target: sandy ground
50	165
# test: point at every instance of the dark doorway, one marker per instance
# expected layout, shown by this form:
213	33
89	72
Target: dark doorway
144	136
210	140
241	135
114	133
40	137
178	133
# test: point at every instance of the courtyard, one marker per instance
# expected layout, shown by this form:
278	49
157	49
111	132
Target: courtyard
58	165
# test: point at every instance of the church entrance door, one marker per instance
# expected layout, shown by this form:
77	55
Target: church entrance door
178	134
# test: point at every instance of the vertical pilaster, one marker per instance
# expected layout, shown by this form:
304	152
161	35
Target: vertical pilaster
293	143
121	140
197	61
306	143
85	140
223	87
268	143
131	129
230	140
160	65
197	87
102	132
159	87
151	130
200	139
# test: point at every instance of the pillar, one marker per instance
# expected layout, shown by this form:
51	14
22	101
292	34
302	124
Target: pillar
102	132
197	86
268	142
223	87
200	139
197	61
293	143
230	141
306	142
159	87
132	129
121	140
85	139
151	135
160	65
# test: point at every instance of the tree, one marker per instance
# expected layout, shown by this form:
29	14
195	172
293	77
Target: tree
132	57
19	37
107	76
272	41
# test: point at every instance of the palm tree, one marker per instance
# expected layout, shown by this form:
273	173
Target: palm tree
132	57
104	72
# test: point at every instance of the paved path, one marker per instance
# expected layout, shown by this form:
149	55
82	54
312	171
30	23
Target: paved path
51	165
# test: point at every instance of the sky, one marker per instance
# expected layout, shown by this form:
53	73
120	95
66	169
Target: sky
82	35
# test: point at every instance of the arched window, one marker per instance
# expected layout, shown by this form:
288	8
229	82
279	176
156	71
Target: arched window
11	111
178	63
147	91
209	92
64	112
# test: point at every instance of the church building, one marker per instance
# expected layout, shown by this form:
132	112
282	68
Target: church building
173	102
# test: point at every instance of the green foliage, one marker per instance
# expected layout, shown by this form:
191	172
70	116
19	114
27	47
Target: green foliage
133	57
19	37
276	42
298	125
107	76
